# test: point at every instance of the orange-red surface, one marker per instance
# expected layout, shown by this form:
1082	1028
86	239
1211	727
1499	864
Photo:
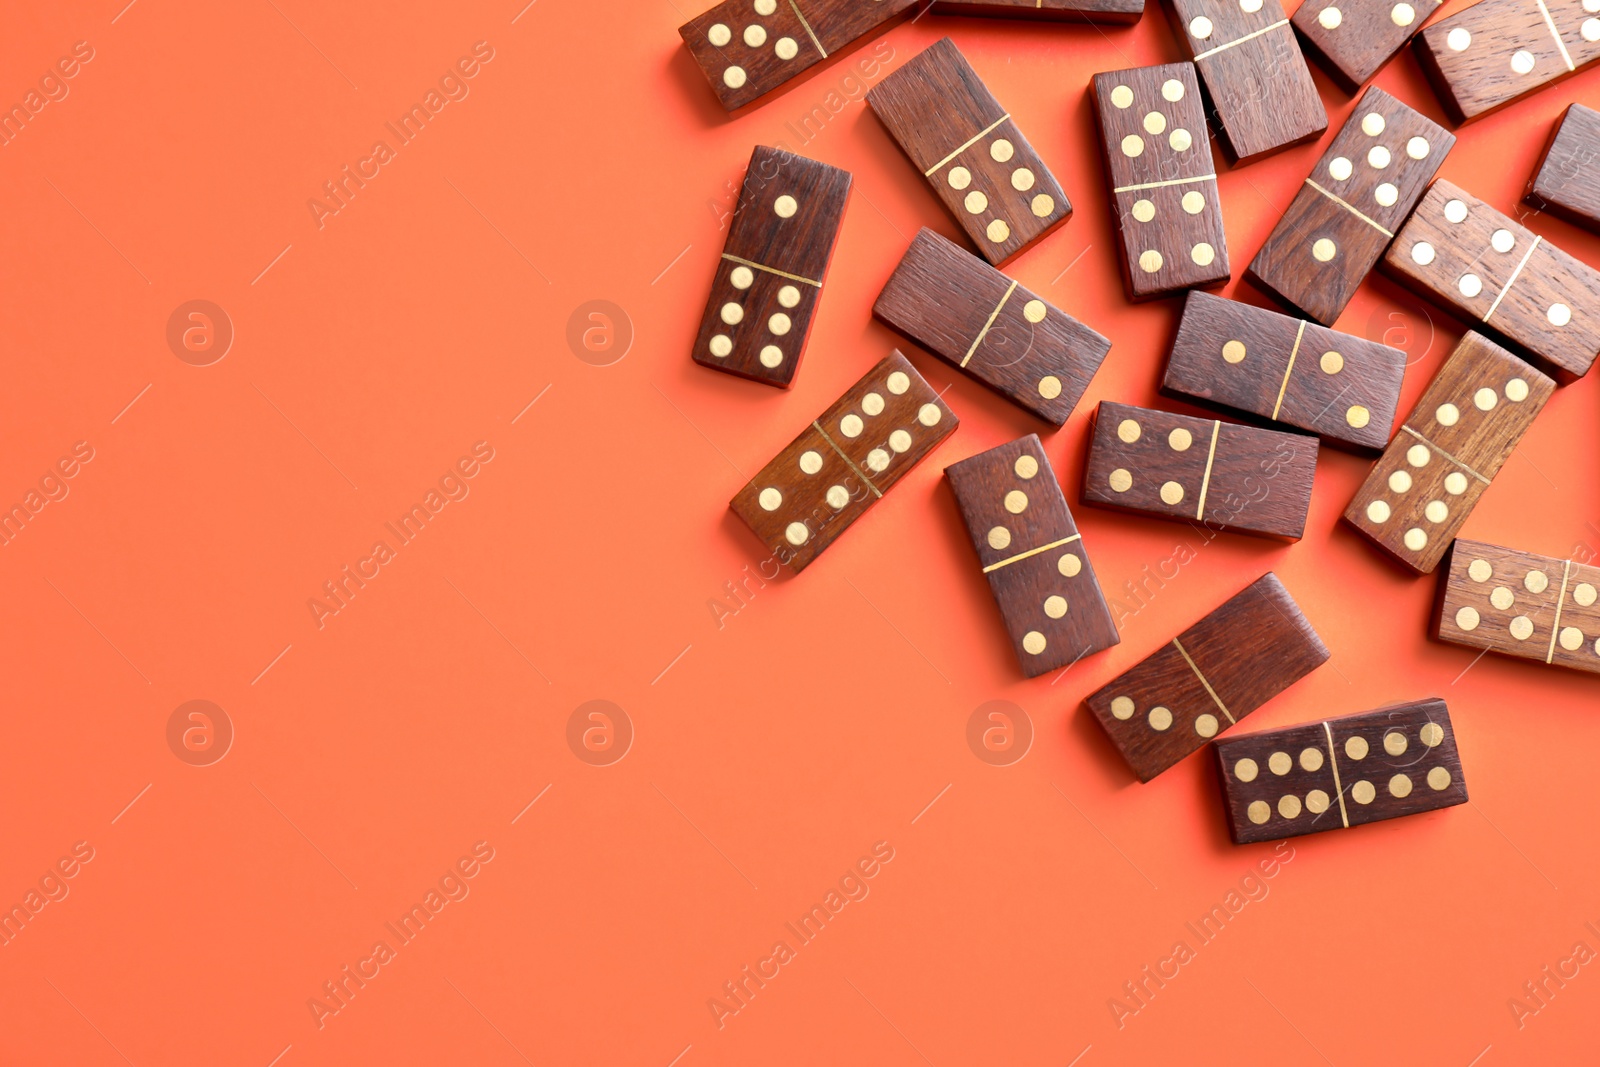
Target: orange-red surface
773	746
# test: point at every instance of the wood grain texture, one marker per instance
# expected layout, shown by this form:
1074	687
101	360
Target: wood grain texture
843	462
1489	269
1108	11
1352	39
1343	388
1349	771
1520	604
1426	483
1033	556
769	280
1229	477
1497	51
970	315
1346	213
1566	180
748	48
1261	92
1163	179
1221	669
980	166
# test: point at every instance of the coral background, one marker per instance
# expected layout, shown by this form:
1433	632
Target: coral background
773	748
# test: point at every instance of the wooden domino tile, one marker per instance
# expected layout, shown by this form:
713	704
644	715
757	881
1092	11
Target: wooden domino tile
1566	183
1349	771
1489	269
842	463
748	48
1352	39
1261	93
769	279
1163	179
1461	432
1495	52
1520	604
1209	677
1032	555
970	315
1230	477
980	166
1345	214
1343	388
1057	10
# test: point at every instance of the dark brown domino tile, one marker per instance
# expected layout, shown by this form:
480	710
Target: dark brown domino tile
1566	182
1343	388
1209	677
1352	39
1426	483
1488	268
1163	179
1108	11
1229	477
1495	52
1348	210
971	152
748	48
995	329
1261	92
1349	771
1033	556
1520	604
769	279
843	462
